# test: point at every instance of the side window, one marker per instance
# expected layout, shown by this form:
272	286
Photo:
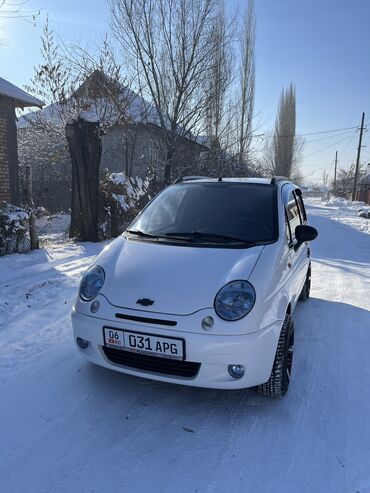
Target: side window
293	214
302	210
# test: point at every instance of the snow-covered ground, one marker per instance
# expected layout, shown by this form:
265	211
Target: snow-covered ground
54	228
67	426
344	211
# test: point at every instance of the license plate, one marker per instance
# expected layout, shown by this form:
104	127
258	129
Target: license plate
137	342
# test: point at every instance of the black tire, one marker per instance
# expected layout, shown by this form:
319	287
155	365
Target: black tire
305	293
278	383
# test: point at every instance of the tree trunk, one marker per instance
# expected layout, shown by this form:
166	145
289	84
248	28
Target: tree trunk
34	241
85	148
168	165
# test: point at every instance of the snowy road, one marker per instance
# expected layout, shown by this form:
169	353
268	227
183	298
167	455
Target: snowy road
67	426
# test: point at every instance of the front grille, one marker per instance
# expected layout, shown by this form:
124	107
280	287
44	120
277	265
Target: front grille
153	364
146	319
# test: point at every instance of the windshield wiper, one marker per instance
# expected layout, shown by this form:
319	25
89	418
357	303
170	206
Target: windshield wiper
157	237
194	235
141	233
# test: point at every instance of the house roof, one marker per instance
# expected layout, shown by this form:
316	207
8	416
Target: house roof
93	92
21	98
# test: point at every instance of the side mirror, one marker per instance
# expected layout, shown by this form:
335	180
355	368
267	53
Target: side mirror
304	233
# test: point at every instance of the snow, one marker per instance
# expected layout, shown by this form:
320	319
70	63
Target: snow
344	203
66	425
137	109
54	224
121	201
134	188
11	91
344	211
118	178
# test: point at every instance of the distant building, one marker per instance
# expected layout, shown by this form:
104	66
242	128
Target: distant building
11	97
363	187
315	191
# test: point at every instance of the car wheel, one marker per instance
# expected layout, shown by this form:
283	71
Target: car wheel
305	293
278	383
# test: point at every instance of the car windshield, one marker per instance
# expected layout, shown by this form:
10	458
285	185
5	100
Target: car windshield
219	212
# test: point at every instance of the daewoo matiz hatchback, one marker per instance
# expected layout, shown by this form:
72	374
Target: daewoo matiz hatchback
201	288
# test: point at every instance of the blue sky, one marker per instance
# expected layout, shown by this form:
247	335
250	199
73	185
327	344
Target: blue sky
322	46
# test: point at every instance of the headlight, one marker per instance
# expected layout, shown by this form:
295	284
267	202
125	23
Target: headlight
92	282
235	300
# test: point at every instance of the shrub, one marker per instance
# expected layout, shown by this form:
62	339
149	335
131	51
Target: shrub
14	230
121	199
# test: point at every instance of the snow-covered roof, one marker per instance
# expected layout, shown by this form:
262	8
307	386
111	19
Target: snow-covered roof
22	98
97	107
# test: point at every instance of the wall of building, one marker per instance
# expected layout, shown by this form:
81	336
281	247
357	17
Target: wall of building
133	149
9	181
130	149
363	194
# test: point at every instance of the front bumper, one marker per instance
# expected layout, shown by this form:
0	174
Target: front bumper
255	351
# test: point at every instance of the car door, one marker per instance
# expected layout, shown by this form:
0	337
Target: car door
299	260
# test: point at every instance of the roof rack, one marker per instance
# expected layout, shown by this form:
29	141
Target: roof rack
275	179
190	178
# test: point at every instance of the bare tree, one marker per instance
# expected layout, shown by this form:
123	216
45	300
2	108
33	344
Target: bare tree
344	182
286	149
166	44
247	83
85	97
47	153
325	178
218	108
219	78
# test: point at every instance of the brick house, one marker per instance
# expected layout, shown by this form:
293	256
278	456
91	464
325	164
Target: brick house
11	97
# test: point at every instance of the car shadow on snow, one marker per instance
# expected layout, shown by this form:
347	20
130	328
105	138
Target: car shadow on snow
330	337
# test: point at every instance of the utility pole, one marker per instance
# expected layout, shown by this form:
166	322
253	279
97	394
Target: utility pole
358	157
335	173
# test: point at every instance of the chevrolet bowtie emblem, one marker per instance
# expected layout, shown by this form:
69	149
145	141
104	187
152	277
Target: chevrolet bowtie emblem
145	301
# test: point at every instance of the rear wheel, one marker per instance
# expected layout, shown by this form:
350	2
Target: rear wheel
278	383
305	293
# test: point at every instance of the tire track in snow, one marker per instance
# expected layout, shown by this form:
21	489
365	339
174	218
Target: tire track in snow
241	421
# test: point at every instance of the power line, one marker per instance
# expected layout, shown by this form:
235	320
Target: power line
330	137
327	147
350	137
308	133
326	131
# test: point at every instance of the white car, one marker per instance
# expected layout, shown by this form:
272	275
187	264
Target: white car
201	288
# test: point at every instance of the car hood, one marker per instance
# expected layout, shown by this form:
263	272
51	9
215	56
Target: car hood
179	279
